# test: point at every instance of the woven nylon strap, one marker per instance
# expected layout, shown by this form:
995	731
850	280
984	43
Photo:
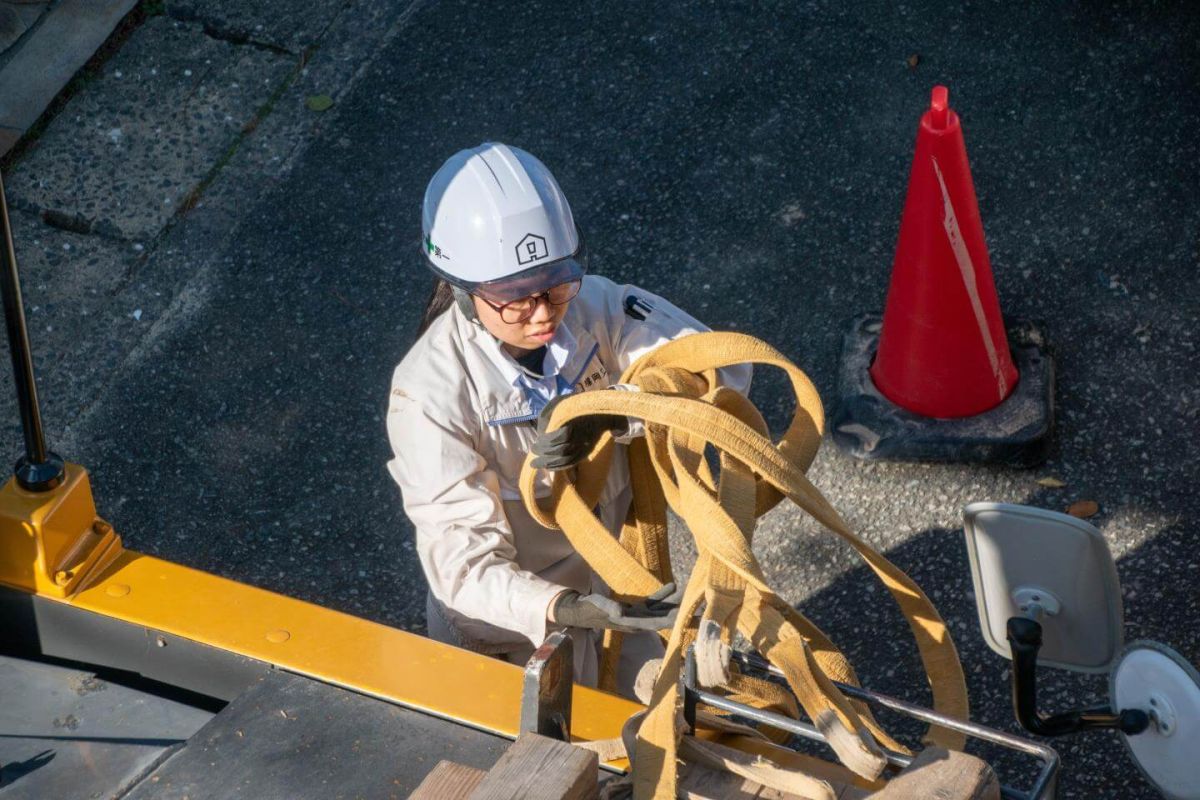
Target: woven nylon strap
685	411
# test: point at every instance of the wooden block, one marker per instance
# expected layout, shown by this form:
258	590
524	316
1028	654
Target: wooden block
940	774
540	768
448	781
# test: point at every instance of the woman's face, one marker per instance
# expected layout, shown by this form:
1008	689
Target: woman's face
520	336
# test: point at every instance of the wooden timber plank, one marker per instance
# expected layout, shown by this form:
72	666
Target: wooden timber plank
448	781
941	774
540	768
64	39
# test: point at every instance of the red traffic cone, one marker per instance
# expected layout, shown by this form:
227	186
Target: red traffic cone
943	350
940	379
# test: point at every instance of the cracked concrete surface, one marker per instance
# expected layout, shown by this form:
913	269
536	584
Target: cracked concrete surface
301	24
123	156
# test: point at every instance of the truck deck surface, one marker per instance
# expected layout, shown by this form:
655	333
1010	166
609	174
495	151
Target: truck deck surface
68	734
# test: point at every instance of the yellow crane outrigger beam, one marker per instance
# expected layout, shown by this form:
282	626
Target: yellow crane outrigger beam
52	545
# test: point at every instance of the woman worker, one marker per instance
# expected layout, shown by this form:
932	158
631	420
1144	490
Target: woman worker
514	323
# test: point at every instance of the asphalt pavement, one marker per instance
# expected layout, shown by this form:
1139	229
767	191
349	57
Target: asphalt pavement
747	162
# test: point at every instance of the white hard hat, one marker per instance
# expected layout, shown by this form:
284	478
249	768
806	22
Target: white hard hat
495	222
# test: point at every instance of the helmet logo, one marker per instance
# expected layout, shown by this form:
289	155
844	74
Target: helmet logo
531	248
433	250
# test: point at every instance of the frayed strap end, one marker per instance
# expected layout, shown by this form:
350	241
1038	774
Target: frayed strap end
858	752
712	655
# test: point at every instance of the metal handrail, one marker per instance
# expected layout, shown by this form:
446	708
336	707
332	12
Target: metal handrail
39	469
1045	786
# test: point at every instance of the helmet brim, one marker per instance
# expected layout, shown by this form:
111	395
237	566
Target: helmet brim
522	284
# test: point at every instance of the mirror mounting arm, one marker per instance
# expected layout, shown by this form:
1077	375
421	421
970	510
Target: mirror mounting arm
1025	639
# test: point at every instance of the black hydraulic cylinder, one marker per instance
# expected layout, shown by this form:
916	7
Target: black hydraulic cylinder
38	470
1025	639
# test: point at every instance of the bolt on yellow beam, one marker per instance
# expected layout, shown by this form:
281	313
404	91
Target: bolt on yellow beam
52	542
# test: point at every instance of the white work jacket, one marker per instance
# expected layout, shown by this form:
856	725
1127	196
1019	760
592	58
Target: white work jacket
462	417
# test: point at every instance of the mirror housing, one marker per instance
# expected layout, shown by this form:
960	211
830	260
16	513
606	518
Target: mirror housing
1050	567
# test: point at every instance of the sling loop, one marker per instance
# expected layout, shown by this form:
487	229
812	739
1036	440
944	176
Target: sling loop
685	412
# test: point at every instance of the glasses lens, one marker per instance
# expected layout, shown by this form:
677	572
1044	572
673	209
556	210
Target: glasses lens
518	310
563	292
522	309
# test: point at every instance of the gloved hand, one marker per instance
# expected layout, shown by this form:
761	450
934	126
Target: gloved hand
568	445
598	612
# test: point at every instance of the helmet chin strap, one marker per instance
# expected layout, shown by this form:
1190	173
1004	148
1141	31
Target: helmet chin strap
466	305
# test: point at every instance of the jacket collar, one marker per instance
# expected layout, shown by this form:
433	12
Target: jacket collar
559	351
569	355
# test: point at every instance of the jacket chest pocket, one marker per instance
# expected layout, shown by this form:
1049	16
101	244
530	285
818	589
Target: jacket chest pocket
510	438
589	372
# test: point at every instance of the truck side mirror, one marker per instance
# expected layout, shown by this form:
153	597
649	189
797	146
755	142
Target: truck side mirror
1052	568
1046	584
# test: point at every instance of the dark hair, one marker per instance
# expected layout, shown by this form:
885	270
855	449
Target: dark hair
441	298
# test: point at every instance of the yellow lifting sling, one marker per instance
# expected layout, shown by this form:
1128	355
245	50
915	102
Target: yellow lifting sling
685	411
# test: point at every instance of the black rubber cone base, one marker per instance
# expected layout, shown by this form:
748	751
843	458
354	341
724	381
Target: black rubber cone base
1016	433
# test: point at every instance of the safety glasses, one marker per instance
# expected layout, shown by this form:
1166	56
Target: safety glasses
521	309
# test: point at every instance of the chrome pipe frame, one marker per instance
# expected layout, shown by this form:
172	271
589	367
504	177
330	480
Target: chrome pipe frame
1045	786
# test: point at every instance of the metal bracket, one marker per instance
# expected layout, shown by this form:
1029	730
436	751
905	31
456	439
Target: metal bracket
52	542
1025	639
546	694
